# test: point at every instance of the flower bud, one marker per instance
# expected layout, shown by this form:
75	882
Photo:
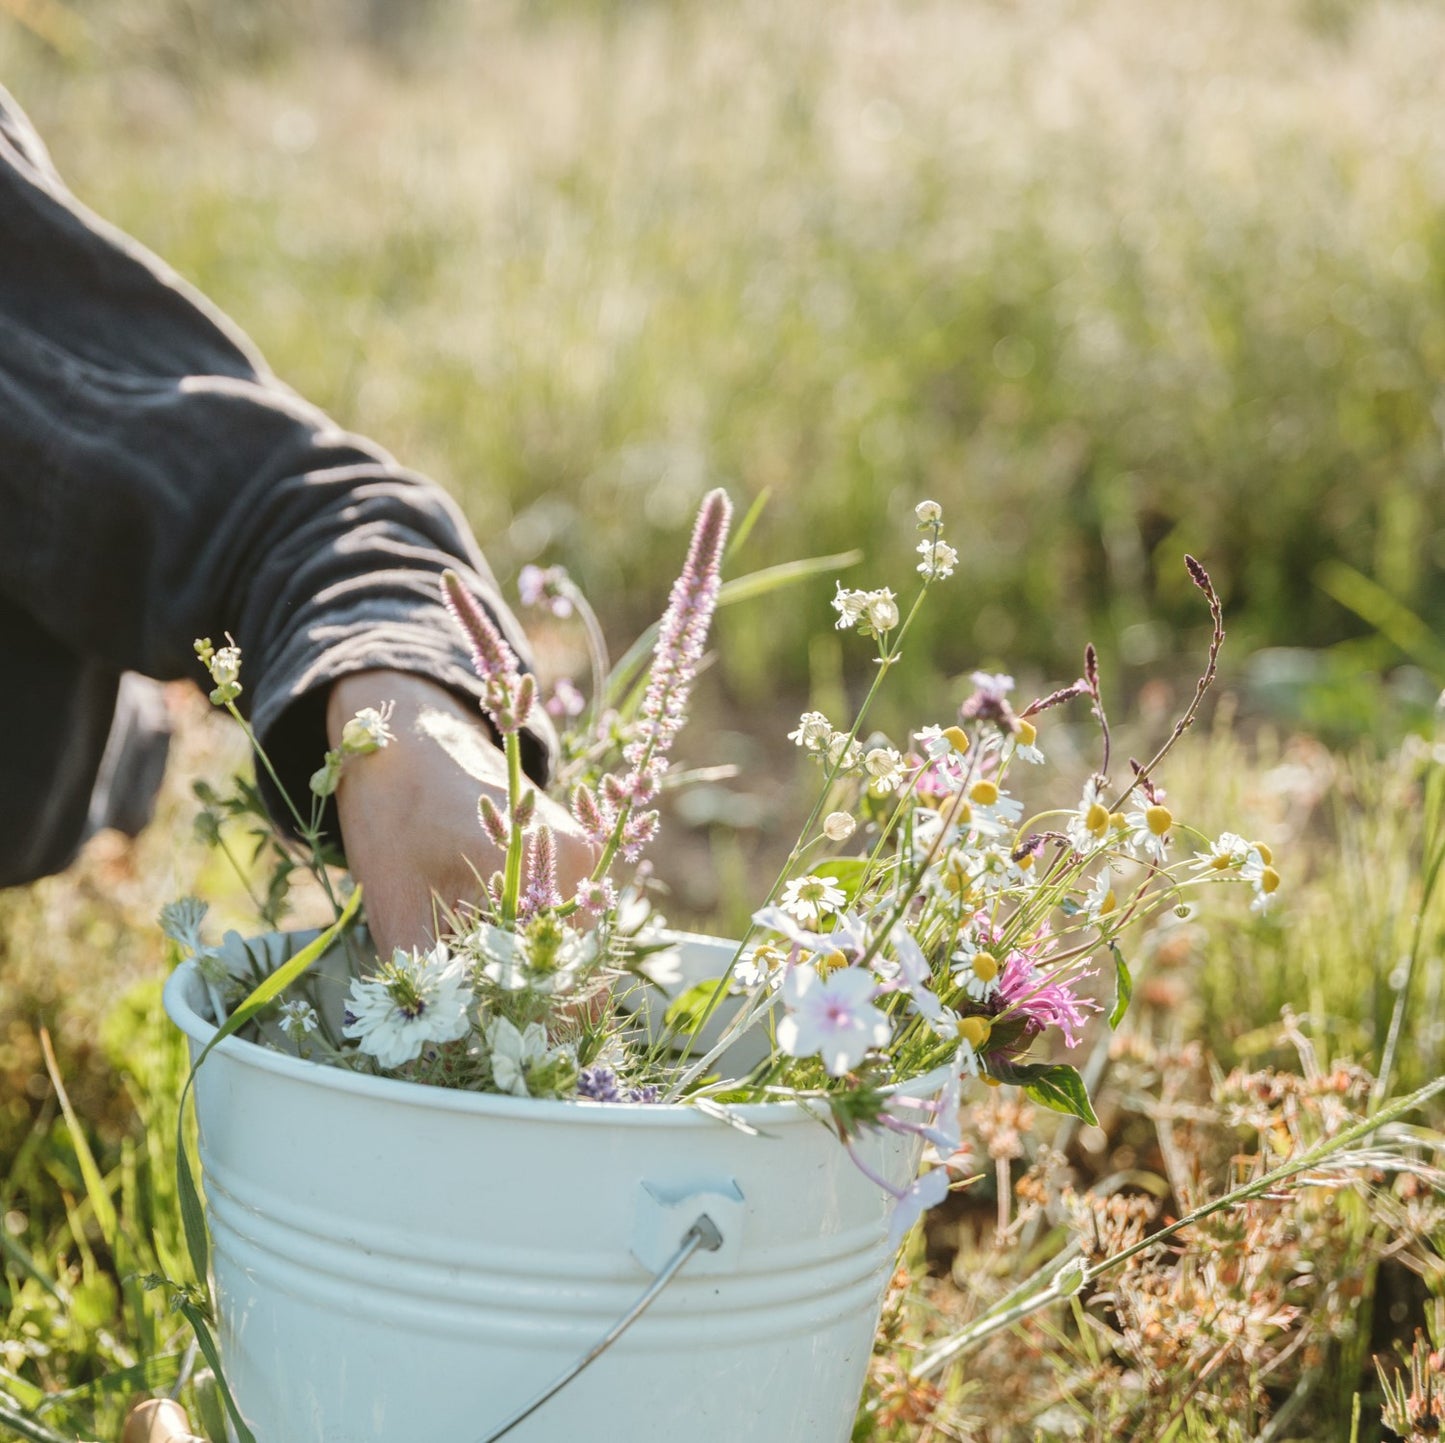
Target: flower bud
974	1030
929	513
1159	819
839	826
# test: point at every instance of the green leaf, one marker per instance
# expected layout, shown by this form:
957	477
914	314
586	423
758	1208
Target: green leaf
847	872
689	1010
1054	1085
744	528
101	1203
1123	987
27	1428
212	1354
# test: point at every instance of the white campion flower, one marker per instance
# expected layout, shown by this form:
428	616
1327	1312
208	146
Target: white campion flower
884	766
832	1017
839	826
814	731
810	899
225	665
881	610
929	513
844	753
368	731
414	999
850	606
939	559
512	1052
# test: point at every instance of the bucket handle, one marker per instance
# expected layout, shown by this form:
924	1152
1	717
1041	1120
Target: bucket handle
702	1236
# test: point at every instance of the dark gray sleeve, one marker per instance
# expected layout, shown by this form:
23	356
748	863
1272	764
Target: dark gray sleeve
158	483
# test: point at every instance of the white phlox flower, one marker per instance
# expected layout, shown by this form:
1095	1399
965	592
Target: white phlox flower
812	898
414	999
832	1017
939	559
916	975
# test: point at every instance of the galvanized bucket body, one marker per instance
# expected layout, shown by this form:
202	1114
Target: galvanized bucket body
396	1263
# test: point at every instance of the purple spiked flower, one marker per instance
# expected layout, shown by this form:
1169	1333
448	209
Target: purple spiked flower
1024	990
541	892
509	696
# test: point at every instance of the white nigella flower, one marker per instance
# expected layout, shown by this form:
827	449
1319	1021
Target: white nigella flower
297	1018
814	731
414	999
929	513
939	559
546	956
1148	832
833	1017
812	898
368	731
1088	828
839	826
513	1052
885	769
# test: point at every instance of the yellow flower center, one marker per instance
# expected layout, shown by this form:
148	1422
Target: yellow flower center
991	1081
985	966
1222	863
1159	819
984	793
1268	880
1118	821
956	737
1096	819
974	1030
1025	862
1027	734
831	962
1265	855
1109	903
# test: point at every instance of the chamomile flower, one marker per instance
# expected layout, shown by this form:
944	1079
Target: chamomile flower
993	806
1088	828
1148	832
1230	850
1100	900
1025	737
810	899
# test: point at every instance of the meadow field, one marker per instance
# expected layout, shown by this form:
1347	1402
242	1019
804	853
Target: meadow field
1111	280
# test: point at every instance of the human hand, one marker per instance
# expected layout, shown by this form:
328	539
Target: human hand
409	811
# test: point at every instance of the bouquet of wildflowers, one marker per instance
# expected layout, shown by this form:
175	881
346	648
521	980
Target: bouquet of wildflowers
923	931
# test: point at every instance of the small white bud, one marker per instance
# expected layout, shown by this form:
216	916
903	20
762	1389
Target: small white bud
929	513
839	826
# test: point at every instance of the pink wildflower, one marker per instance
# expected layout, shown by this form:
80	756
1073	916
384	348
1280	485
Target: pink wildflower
1023	990
508	696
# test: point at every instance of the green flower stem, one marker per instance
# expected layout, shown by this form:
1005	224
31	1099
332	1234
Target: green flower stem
512	878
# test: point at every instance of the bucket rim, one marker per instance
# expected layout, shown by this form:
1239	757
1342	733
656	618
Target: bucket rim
186	981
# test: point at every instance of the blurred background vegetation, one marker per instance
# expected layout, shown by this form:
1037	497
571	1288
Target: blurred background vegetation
1112	280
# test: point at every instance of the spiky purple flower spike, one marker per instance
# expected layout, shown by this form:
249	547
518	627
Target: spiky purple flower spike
680	640
509	696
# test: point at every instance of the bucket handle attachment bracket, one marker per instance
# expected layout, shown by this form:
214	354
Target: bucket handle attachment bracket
703	1236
